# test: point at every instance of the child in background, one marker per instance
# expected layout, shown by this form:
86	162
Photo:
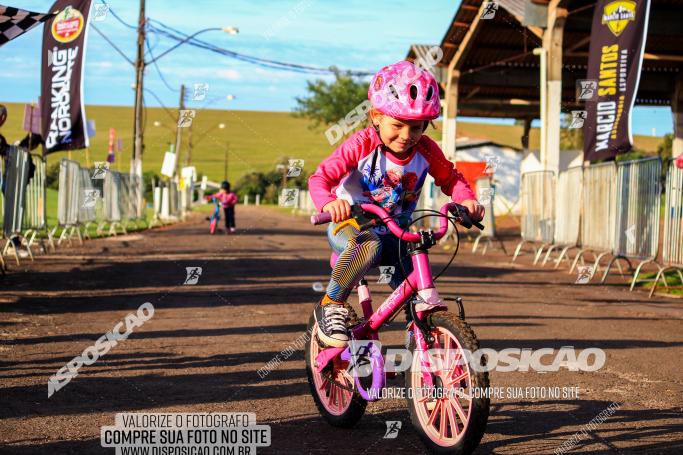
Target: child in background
228	201
385	164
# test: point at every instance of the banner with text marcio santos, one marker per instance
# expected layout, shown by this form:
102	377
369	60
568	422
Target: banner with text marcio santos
63	56
618	38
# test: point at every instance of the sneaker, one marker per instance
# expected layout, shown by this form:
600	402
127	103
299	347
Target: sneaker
332	319
232	230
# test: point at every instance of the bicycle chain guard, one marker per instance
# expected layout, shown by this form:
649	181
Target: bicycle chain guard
367	359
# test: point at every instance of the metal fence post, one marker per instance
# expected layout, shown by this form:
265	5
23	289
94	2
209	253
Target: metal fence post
14	189
599	213
672	247
567	213
636	234
486	195
538	211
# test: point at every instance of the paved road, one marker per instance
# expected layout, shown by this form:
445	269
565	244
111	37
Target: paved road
202	348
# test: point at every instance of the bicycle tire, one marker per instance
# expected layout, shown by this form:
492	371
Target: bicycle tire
478	409
355	408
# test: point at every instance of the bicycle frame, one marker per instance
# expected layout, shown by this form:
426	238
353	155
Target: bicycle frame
420	279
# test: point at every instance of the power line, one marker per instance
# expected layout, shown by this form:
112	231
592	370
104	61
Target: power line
116	16
177	35
168	111
163	79
111	43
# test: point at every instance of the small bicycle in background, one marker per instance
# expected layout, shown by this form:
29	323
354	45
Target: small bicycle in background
215	218
448	416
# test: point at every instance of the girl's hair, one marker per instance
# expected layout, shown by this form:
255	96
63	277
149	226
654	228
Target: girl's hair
377	112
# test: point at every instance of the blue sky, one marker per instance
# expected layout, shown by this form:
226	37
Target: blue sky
351	34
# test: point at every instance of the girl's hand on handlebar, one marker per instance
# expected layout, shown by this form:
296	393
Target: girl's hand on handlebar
475	208
339	209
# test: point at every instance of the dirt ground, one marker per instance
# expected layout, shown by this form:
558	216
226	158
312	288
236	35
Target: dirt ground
201	350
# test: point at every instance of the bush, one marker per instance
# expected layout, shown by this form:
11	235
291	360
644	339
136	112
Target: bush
52	176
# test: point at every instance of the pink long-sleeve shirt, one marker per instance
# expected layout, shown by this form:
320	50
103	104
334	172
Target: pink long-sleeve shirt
394	185
226	199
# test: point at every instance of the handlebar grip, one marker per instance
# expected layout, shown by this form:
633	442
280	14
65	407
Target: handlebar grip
478	225
321	218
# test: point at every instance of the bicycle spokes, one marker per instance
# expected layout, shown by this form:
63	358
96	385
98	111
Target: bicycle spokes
443	410
333	384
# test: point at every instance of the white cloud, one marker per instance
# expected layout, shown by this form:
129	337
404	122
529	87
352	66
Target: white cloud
233	75
275	74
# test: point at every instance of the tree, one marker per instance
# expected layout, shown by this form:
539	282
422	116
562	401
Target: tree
570	138
665	148
330	102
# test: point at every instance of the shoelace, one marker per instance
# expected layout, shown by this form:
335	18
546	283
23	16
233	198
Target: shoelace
335	318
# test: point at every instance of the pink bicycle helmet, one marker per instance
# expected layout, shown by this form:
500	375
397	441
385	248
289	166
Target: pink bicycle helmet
406	92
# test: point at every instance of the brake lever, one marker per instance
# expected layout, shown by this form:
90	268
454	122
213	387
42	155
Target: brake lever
364	221
465	219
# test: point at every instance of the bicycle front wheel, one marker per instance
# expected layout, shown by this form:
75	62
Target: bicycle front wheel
449	418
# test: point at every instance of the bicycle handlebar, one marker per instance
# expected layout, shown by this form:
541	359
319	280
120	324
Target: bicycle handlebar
460	211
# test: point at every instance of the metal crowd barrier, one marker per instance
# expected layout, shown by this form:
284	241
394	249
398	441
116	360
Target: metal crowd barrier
186	191
567	213
636	233
174	198
136	204
114	206
538	211
672	246
14	192
35	214
166	197
486	195
599	213
125	202
304	203
87	202
68	201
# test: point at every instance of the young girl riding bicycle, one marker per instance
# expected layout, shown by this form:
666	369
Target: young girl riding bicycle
385	164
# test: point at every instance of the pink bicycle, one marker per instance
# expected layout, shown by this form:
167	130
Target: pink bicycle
439	384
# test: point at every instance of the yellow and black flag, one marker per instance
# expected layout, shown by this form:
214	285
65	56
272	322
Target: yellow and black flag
63	55
618	38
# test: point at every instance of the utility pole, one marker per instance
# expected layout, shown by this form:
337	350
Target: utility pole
139	76
188	158
178	134
136	168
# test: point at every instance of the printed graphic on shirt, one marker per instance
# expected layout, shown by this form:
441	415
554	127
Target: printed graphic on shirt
394	187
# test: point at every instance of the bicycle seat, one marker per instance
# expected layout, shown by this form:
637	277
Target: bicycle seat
333	259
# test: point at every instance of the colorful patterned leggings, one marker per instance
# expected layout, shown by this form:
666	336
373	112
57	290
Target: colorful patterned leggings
359	251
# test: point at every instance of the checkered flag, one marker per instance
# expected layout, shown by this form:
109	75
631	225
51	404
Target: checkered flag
15	22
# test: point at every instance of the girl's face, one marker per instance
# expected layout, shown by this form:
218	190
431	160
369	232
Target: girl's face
398	135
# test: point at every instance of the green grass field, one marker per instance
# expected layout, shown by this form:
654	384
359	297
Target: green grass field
256	139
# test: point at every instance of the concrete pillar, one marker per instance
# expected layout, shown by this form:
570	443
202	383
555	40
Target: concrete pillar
552	43
525	135
677	111
449	115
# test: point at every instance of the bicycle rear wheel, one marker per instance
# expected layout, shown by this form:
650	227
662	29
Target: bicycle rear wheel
448	419
339	406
